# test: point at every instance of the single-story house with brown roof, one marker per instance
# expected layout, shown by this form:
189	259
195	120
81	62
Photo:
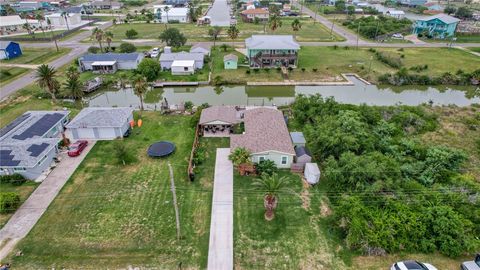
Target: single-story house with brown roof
218	121
266	136
249	15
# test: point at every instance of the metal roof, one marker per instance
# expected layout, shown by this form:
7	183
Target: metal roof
442	17
272	42
4	44
301	151
297	137
183	63
119	57
104	63
181	56
101	117
230	57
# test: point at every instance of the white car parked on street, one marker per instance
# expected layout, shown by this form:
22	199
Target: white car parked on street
155	52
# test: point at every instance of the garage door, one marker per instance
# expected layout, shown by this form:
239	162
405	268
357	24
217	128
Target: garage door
85	133
106	133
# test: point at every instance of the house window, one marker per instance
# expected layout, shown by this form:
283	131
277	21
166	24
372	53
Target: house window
284	160
20	169
42	160
185	68
261	158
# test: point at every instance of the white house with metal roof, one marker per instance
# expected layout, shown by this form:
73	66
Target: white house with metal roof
100	123
183	67
109	62
267	51
167	58
29	144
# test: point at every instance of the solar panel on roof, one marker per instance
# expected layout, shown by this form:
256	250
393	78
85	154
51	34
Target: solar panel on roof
37	149
13	124
6	159
40	127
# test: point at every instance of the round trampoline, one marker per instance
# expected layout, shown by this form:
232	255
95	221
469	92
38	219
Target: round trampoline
161	149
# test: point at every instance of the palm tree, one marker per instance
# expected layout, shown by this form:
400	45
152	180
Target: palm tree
240	156
214	32
271	185
274	22
233	33
224	47
296	25
26	26
166	9
98	35
122	80
46	79
108	38
39	17
65	16
49	23
140	86
72	84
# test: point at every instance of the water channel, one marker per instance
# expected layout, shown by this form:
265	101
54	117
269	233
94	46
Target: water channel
358	93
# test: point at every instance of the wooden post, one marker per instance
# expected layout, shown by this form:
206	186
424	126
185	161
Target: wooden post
177	215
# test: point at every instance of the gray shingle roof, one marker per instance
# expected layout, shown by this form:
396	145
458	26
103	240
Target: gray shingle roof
297	137
265	130
4	44
271	42
443	17
220	113
120	57
301	151
230	57
101	117
203	46
181	56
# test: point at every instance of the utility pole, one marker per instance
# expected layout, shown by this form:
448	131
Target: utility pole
358	33
331	29
376	31
175	205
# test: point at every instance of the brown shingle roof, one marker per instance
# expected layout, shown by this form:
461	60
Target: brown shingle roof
265	130
255	11
219	113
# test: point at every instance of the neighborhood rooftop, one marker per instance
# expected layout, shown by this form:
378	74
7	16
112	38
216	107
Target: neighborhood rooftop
443	17
4	44
230	57
111	57
181	56
227	114
272	42
101	117
265	131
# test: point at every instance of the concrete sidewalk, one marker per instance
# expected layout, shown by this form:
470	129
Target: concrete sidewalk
220	251
33	208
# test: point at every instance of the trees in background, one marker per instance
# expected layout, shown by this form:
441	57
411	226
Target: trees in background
149	68
126	47
173	37
233	33
214	32
274	22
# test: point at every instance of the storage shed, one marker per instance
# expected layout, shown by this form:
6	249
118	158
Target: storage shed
298	139
9	50
312	173
302	155
183	67
100	123
230	61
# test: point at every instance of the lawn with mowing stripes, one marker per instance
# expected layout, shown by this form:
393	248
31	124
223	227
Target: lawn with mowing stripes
112	216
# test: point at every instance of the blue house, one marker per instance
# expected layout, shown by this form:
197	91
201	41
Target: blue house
437	26
9	50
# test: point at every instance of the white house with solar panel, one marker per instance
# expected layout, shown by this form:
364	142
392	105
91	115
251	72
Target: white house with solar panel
29	144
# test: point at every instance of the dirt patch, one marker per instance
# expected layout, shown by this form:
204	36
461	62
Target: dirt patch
305	195
325	210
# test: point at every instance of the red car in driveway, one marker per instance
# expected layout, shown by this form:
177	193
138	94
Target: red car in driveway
76	148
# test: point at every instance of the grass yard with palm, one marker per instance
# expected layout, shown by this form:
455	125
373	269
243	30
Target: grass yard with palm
113	216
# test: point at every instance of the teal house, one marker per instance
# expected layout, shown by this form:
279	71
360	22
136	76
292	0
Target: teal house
230	61
270	51
437	26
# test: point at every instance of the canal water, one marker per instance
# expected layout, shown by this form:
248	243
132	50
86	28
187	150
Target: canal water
358	93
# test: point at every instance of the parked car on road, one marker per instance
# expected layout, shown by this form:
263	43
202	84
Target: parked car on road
397	36
155	52
472	265
76	148
412	265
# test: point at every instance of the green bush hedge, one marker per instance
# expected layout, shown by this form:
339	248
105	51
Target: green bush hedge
9	202
14	179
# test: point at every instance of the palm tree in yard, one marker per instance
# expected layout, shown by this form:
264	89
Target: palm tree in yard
49	23
214	32
46	79
39	17
98	35
274	22
271	186
240	156
72	84
140	86
122	80
108	38
233	33
296	25
65	16
166	9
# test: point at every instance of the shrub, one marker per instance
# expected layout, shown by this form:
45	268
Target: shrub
14	179
149	68
199	155
256	70
124	156
127	48
314	69
290	69
303	69
247	71
9	202
131	33
335	47
267	167
389	60
188	105
5	72
93	49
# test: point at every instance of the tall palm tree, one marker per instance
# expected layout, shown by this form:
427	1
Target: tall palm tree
39	17
233	33
214	32
140	87
65	16
72	84
46	79
98	36
122	80
49	23
166	9
296	25
271	186
108	38
274	22
26	26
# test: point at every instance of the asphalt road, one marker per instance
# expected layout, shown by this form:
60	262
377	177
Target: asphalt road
219	13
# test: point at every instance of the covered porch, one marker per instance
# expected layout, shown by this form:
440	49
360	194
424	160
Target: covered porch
104	67
216	130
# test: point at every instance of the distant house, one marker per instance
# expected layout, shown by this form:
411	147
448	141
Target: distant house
79	10
249	15
266	136
14	23
297	138
437	26
57	20
412	3
230	61
167	57
109	62
100	123
266	51
434	6
201	48
29	5
183	67
106	5
174	14
397	14
9	50
176	3
29	144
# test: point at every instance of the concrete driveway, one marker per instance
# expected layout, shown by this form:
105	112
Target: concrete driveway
33	208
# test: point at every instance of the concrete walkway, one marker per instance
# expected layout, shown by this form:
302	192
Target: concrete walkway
220	251
33	208
20	65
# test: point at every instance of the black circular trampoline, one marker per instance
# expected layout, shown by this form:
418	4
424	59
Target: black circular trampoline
161	149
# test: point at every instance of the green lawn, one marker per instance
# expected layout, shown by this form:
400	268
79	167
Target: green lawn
310	31
474	49
113	216
48	34
37	55
468	38
23	191
9	74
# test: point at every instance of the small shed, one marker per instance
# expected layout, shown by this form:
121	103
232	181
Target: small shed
183	67
312	173
230	61
298	139
302	155
9	50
